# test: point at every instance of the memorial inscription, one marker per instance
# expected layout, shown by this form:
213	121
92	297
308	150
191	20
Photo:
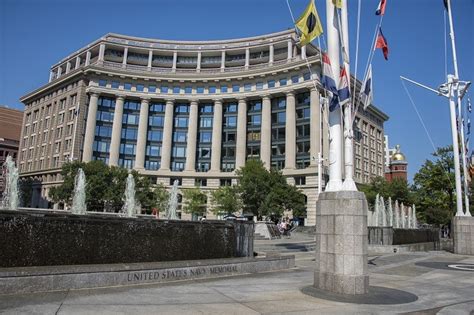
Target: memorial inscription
179	274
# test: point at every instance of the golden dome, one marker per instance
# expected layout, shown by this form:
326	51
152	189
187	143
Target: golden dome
398	156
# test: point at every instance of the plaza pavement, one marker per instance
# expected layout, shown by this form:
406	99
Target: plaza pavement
440	290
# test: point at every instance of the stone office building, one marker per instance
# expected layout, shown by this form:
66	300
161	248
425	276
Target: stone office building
192	111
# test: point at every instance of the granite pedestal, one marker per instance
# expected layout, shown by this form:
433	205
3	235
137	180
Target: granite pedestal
463	232
341	243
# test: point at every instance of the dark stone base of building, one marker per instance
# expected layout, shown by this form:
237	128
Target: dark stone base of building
391	236
463	232
58	278
41	238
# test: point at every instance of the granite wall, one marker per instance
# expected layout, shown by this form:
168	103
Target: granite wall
36	238
391	236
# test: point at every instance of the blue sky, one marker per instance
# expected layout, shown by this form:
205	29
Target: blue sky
35	34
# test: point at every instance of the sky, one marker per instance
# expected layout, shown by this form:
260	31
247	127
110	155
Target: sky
35	34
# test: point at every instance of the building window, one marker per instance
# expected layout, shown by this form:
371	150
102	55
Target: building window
200	182
188	90
176	89
127	86
235	88
295	79
283	82
271	83
247	87
115	84
225	182
151	88
164	89
300	180
103	83
307	76
259	85
212	89
200	89
140	87
223	89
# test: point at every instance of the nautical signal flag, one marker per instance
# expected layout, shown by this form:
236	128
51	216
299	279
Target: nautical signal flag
327	79
309	24
366	94
344	94
382	43
381	7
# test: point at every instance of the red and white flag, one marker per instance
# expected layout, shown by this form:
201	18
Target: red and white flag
381	7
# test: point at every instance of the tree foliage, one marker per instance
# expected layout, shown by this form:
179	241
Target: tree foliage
434	187
226	200
266	193
105	186
194	201
397	189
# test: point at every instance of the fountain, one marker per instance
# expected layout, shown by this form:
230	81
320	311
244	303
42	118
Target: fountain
408	225
129	206
10	198
79	198
173	203
390	212
383	214
414	223
397	215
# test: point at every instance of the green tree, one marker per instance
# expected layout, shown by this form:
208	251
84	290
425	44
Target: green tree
266	193
105	186
160	198
194	201
397	189
226	200
434	188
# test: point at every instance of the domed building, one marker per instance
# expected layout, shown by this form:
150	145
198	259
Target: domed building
397	166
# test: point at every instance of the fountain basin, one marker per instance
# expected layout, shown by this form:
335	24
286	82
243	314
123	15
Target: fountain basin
391	236
43	238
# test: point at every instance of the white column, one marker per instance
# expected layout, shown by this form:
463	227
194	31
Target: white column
124	59
51	76
116	132
290	49
68	67
241	143
290	132
247	58
348	183
335	134
88	58
60	71
167	136
78	62
271	54
101	52
90	128
142	134
192	137
315	127
216	137
150	59
303	52
198	63
222	61
266	134
175	60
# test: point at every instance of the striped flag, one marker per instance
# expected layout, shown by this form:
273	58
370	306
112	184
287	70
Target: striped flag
382	43
366	94
329	83
381	7
469	105
343	92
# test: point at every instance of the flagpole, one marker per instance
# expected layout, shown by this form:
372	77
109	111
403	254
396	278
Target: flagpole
348	183
454	91
335	136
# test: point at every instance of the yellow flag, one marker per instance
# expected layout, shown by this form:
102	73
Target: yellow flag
338	3
309	24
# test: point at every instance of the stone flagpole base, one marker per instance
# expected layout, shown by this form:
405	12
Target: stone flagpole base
341	243
463	232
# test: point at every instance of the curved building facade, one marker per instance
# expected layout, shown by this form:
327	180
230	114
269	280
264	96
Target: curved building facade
191	111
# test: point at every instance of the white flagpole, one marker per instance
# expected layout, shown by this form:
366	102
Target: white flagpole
348	183
454	92
335	136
